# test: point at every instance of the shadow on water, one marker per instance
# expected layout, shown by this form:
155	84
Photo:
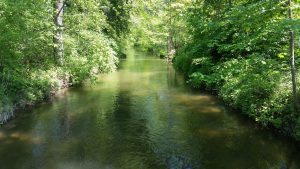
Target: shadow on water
141	117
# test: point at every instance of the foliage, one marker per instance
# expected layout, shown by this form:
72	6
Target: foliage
241	49
28	71
153	22
238	47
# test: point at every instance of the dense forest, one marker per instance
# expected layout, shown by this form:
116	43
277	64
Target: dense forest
242	50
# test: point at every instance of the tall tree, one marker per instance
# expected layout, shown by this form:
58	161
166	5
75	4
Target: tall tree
292	59
58	32
170	30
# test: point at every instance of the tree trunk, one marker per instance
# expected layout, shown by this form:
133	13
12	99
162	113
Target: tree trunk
292	61
170	36
58	32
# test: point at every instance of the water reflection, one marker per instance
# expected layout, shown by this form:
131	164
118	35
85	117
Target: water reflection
141	117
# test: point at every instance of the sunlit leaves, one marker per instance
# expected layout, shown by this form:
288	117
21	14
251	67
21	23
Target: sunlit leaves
241	48
154	22
27	70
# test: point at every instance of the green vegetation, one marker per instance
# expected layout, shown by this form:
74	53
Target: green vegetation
159	26
87	40
241	49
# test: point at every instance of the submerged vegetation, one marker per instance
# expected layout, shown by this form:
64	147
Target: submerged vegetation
242	49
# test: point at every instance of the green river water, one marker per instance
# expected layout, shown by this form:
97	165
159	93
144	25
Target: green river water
141	117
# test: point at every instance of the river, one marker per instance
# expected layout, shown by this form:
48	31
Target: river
143	116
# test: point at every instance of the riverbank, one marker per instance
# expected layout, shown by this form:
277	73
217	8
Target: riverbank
43	86
259	87
244	52
40	85
44	47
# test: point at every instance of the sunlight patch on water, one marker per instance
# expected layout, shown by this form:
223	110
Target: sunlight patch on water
26	137
81	165
2	136
194	100
209	110
18	136
217	133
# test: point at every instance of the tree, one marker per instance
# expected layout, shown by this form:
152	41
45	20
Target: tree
80	44
170	30
58	35
292	59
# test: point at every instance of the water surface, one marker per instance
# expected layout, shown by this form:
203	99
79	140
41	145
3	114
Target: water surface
141	117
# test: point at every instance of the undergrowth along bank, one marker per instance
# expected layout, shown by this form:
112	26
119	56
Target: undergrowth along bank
46	45
242	51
